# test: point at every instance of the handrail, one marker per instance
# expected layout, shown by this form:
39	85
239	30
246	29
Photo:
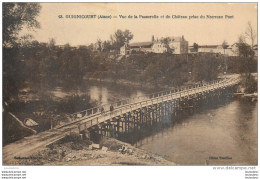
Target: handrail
124	104
227	83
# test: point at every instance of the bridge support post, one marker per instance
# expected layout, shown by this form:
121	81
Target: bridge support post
153	119
141	119
159	113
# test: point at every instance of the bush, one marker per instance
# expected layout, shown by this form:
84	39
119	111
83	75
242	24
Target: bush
249	83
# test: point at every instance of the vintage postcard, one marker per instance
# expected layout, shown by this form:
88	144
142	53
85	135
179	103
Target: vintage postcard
129	84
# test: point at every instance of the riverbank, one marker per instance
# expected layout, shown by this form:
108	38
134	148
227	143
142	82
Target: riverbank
72	150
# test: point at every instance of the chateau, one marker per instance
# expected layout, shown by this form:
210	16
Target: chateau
174	45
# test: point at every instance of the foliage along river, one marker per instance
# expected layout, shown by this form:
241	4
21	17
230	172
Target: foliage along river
225	134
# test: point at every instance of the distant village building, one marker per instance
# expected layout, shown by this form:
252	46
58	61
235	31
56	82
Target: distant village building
235	48
136	47
141	46
66	46
159	47
211	49
124	50
229	50
177	45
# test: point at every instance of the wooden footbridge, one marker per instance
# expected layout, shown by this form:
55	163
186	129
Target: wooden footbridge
134	114
128	116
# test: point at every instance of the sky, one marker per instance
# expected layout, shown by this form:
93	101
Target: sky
202	31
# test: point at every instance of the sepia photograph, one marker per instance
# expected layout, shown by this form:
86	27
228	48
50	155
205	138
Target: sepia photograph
146	84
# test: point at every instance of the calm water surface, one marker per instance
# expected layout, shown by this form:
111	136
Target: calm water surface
103	93
228	131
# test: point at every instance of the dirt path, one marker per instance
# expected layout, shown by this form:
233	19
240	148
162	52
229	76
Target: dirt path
32	144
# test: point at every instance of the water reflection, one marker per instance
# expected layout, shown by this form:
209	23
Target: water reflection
99	94
102	93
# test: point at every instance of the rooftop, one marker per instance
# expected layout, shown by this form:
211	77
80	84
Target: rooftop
208	46
141	44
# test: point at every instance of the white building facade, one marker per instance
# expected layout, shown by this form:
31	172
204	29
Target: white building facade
179	45
159	47
176	45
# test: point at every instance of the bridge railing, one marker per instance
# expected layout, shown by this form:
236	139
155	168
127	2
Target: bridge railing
153	97
124	106
150	101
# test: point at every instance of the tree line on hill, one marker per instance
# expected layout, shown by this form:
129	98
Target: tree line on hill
27	62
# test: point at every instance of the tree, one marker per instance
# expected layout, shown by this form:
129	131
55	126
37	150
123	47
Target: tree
120	37
52	43
15	17
196	47
244	50
250	34
128	36
107	45
166	42
25	41
99	44
246	53
224	45
153	38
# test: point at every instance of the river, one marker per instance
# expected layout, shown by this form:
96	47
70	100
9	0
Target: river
103	93
225	134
